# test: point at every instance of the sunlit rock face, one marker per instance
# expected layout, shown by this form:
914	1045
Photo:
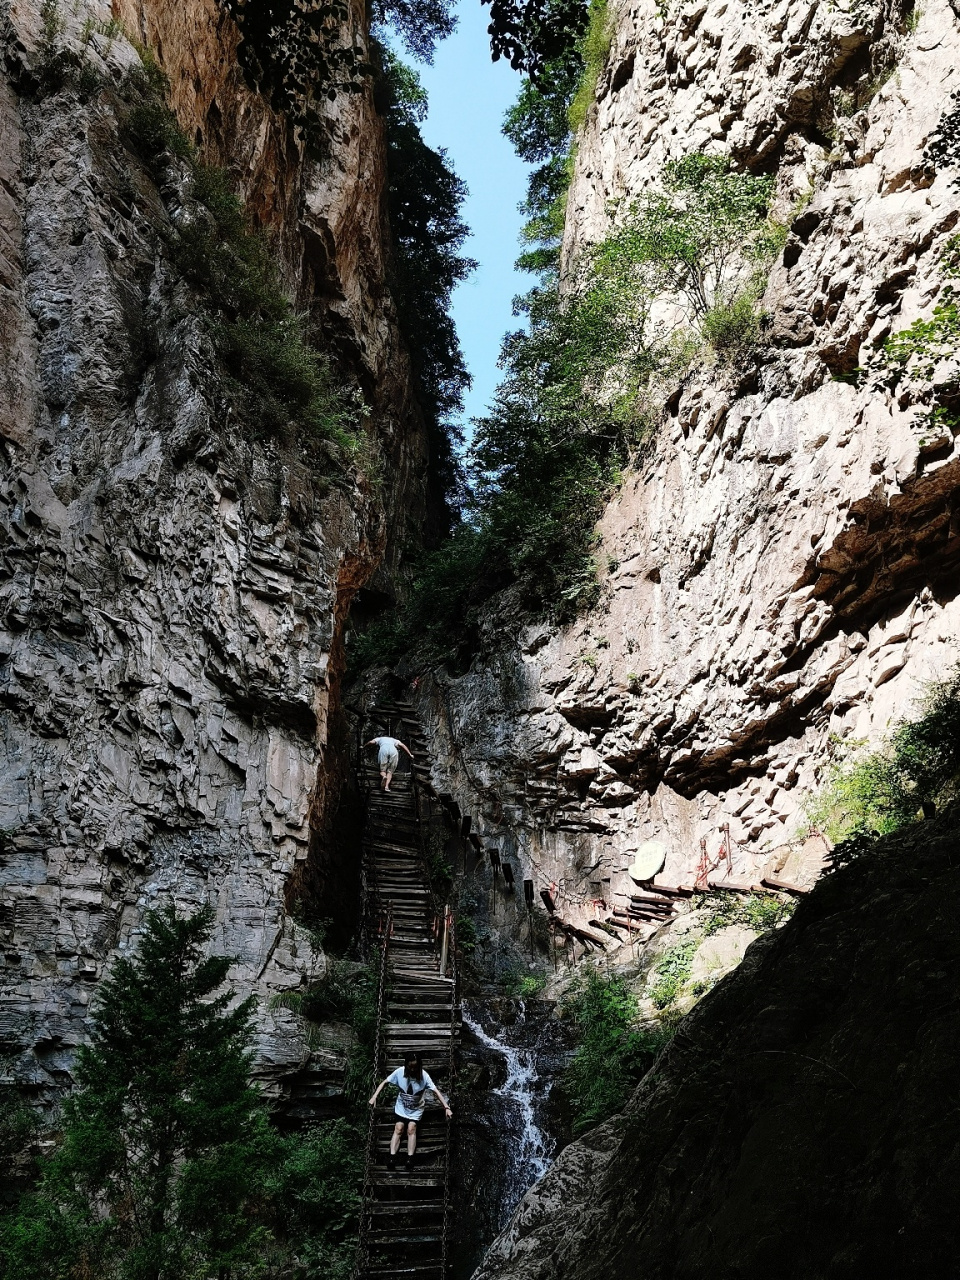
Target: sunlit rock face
794	1127
174	588
781	566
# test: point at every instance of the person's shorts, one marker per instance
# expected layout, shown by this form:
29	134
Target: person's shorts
388	764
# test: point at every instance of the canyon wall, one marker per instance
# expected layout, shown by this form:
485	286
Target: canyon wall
779	570
796	1124
174	587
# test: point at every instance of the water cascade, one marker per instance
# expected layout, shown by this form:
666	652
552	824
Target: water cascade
512	1120
528	1157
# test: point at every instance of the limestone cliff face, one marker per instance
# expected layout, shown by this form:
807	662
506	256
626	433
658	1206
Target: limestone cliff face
782	567
173	591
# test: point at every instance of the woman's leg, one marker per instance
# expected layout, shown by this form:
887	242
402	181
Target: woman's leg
411	1138
397	1135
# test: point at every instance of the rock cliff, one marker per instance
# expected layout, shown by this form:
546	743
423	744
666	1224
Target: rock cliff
795	1126
174	588
779	571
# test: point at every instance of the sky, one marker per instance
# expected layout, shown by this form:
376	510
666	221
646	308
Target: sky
468	97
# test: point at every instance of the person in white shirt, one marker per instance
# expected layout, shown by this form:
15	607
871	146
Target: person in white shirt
413	1082
390	749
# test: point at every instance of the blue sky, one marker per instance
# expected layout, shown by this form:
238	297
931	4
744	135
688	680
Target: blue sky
468	97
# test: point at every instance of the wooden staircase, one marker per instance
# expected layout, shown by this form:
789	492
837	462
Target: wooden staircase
404	1225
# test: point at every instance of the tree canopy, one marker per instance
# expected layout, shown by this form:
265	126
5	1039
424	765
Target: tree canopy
534	35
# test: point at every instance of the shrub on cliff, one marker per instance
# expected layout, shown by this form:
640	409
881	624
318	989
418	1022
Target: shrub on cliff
613	1050
913	774
282	383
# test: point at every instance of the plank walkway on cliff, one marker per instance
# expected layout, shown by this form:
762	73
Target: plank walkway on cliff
404	1225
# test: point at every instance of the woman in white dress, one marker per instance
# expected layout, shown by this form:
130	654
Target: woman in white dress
413	1083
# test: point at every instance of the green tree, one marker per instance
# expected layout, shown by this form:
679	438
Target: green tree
165	1142
697	237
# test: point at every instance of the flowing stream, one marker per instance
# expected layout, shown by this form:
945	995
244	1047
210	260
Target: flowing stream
528	1145
512	1120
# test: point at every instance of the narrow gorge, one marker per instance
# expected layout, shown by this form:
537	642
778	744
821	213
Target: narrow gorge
671	631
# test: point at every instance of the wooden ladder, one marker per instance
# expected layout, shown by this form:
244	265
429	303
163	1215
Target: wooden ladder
404	1226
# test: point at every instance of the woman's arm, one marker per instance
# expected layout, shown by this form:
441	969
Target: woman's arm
446	1104
376	1092
406	748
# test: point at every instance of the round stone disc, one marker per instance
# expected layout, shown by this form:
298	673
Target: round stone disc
649	859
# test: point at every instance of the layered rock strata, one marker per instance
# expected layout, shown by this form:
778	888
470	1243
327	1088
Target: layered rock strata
174	589
780	569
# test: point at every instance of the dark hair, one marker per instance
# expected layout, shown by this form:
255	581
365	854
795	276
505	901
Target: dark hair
417	1072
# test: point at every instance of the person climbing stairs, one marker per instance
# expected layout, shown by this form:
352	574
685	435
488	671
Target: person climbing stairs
404	1214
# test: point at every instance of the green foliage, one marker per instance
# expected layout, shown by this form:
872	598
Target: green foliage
536	35
19	1130
300	55
613	1050
672	970
58	65
923	344
699	235
347	992
283	385
733	328
420	24
926	342
594	50
580	394
167	1167
314	1193
520	984
760	912
943	149
164	1138
913	774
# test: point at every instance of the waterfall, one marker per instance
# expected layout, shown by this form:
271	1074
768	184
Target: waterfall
526	1147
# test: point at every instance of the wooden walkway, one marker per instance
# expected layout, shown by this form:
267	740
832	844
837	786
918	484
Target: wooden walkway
405	1213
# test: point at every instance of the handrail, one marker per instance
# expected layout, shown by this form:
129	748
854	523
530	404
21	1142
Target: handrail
362	1249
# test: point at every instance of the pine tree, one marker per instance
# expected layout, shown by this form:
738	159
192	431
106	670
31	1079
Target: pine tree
165	1142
